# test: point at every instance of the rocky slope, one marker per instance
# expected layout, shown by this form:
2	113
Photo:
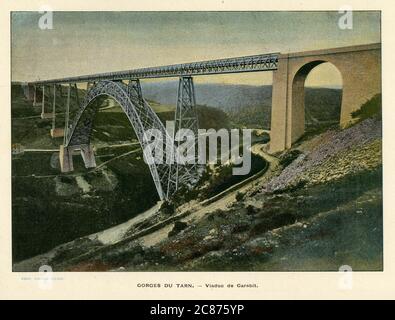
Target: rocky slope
332	155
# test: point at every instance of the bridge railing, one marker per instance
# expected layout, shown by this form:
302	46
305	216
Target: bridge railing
261	62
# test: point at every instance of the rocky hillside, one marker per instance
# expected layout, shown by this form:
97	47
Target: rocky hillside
331	155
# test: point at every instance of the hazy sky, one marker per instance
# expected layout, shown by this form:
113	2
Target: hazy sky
92	42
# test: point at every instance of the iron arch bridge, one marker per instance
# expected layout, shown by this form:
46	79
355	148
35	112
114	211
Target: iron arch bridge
140	115
359	65
168	177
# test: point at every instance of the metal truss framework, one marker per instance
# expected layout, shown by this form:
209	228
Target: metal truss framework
168	177
260	62
186	119
140	115
72	92
54	106
43	101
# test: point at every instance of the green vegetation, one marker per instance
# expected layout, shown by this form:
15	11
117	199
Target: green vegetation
314	228
50	208
113	126
300	226
251	116
326	225
287	158
261	137
210	117
239	196
168	208
48	211
224	178
322	106
370	109
250	106
322	109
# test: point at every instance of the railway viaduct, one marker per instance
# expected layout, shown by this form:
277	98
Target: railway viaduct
359	66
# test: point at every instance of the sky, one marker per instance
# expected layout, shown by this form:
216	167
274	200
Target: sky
92	42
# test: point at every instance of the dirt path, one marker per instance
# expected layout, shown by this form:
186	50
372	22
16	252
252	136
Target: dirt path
116	233
40	150
199	211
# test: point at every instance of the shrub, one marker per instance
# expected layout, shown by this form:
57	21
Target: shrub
239	196
294	187
265	137
168	208
289	157
251	210
225	178
178	226
370	109
274	222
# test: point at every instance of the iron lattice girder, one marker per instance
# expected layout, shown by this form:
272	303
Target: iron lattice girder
261	62
186	118
72	99
140	115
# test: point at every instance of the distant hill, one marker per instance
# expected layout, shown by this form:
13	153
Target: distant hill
249	105
243	105
223	96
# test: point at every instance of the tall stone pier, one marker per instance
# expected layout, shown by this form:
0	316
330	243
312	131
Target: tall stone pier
66	156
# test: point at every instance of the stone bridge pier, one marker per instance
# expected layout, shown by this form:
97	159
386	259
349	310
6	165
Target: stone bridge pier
28	91
66	156
360	68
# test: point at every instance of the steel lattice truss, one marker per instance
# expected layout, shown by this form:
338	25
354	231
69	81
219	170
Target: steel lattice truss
260	62
140	115
186	119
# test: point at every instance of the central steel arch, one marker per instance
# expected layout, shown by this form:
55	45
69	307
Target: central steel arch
141	117
167	177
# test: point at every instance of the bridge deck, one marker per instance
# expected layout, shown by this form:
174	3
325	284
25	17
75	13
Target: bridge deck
261	62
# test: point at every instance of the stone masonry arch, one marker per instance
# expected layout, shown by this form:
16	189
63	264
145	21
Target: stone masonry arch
360	68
